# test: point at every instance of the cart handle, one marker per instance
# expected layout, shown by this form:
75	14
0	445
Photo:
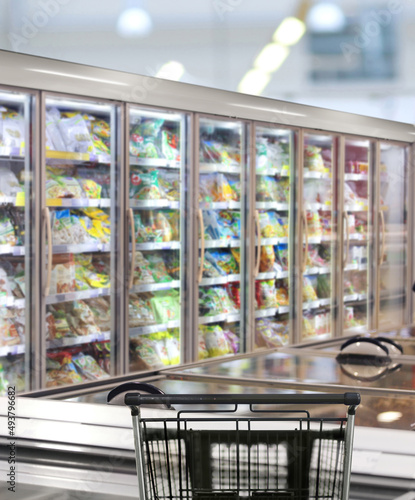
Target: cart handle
348	399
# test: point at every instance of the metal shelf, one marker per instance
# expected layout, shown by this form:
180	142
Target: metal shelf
312	304
356	267
69	157
146	330
154	162
152	287
317	270
82	248
207	168
82	339
159	245
80	295
220	318
273	172
12	350
272	275
220	280
266	313
356	207
220	205
8	153
273	241
315	207
272	205
12	250
155	204
228	243
316	175
78	202
356	177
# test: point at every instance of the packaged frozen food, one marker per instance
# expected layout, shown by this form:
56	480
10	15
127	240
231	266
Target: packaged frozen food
67	228
140	312
172	341
169	183
267	259
13	129
8	332
309	292
313	160
101	309
172	260
75	134
232	340
235	294
323	286
9	184
266	294
166	306
5	290
267	189
170	145
142	271
89	367
17	218
282	256
57	326
158	268
271	333
223	260
203	352
315	229
216	342
63	274
146	350
7	234
143	137
90	188
81	318
282	296
54	138
145	185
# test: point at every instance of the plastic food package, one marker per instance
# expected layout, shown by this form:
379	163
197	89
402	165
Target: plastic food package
140	311
215	300
143	137
216	342
7	233
146	350
203	352
166	306
219	152
232	340
68	229
13	130
223	260
8	332
158	268
170	145
315	229
75	134
313	159
323	286
90	188
81	318
9	184
57	326
89	367
169	183
54	138
60	370
145	186
172	260
270	333
101	309
17	218
266	294
309	293
267	189
282	296
267	259
142	272
281	252
272	225
63	274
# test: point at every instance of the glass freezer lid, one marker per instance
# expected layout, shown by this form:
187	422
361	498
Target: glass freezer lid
390	412
311	369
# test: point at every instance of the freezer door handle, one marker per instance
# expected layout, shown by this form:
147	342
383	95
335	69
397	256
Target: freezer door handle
202	245
382	248
48	230
258	229
346	226
304	217
130	216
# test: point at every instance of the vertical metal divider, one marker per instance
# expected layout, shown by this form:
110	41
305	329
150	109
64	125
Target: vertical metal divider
250	240
119	170
32	257
40	304
374	268
186	230
340	261
192	354
410	246
296	238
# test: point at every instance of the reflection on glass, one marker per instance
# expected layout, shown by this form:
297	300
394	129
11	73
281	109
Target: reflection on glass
221	168
15	196
319	237
272	285
393	235
78	215
357	234
156	191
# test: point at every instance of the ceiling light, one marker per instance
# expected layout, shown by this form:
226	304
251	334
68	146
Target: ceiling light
389	416
326	17
271	57
289	31
134	22
173	70
254	82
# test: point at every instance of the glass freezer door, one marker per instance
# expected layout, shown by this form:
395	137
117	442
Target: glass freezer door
272	215
393	235
357	196
15	240
156	184
79	220
220	196
319	236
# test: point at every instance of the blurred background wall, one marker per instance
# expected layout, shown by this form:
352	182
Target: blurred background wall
350	55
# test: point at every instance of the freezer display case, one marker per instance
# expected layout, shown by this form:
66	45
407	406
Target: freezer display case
319	236
220	204
357	260
156	196
274	288
393	258
79	216
16	257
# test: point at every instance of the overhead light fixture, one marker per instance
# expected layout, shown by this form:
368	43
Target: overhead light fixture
326	17
289	31
134	22
173	70
271	57
254	82
389	416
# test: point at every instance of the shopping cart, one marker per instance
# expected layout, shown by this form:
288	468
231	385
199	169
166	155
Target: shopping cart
226	454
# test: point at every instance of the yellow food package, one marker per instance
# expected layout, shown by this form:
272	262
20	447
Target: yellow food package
96	213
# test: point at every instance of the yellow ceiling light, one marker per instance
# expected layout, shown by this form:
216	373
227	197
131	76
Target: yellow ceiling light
254	82
173	70
289	31
271	57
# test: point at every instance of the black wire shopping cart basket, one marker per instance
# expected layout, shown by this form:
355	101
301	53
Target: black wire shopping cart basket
261	454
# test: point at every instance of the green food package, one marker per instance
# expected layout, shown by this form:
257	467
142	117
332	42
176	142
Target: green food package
166	306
